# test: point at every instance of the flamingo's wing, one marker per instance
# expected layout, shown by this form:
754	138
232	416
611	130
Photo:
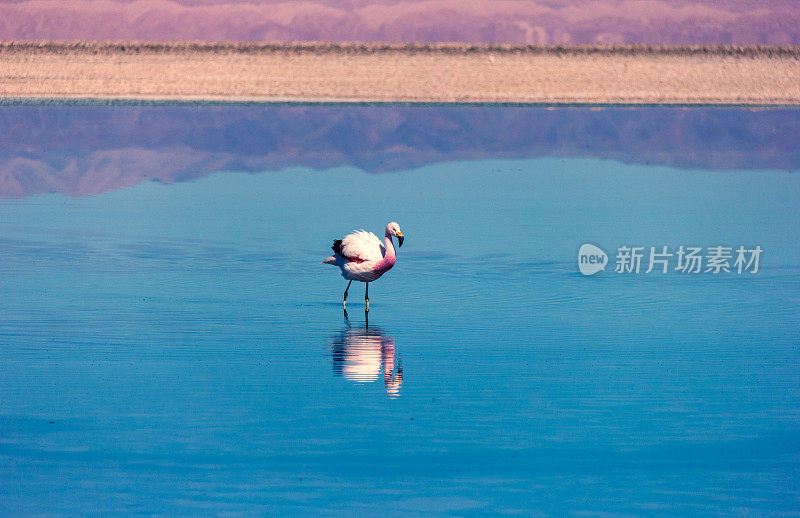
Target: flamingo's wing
360	246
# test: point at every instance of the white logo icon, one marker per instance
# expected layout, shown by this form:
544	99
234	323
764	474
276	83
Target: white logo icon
591	259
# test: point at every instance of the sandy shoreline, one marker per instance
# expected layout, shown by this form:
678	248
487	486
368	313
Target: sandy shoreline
406	73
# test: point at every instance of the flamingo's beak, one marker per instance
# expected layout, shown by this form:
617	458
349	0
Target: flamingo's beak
400	239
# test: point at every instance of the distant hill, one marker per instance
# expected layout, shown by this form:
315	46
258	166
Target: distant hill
90	150
511	21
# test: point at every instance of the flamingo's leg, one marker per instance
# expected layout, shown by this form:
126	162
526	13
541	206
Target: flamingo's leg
366	296
344	301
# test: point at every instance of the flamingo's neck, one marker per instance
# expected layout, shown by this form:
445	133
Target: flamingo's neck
389	257
387	240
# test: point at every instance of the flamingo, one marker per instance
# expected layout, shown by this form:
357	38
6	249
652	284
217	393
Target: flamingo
362	257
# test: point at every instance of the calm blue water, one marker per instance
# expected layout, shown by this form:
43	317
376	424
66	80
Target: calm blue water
169	342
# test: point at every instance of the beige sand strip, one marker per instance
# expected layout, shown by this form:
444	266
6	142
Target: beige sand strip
321	72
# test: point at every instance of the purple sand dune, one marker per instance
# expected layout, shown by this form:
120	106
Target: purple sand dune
509	21
90	150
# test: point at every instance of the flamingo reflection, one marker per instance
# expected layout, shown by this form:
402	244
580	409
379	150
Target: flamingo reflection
359	354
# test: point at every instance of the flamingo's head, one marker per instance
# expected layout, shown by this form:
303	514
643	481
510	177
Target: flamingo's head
393	229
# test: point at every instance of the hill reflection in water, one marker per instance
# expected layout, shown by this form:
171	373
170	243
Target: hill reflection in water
85	150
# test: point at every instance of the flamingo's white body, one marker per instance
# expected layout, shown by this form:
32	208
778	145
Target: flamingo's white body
362	257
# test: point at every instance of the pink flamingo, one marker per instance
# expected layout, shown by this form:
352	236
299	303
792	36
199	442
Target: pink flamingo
362	257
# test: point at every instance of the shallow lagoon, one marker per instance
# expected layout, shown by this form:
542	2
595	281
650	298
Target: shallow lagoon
175	346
